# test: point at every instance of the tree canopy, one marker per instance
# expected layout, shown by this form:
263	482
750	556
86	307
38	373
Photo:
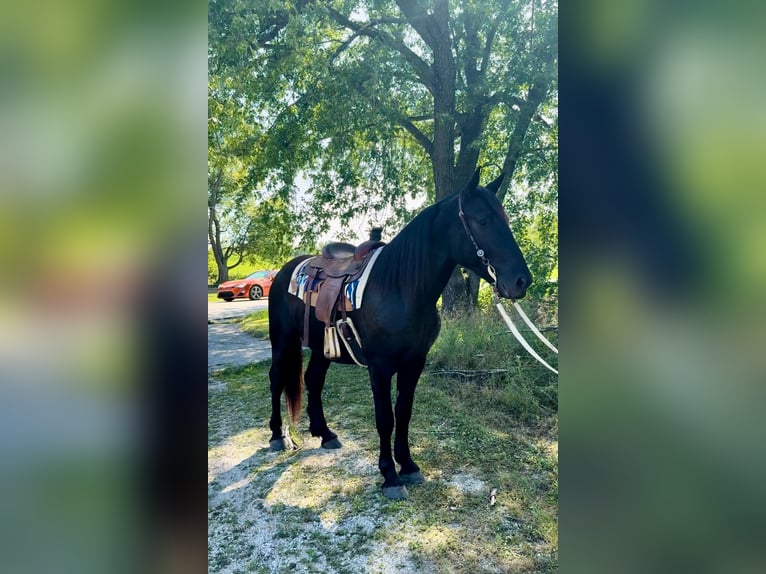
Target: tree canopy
372	101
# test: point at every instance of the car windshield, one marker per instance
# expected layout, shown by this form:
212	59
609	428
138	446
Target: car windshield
258	275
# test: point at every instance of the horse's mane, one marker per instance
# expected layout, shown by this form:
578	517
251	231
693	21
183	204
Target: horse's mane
406	264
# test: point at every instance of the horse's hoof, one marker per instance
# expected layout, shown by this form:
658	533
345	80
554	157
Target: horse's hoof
331	444
412	478
284	443
395	492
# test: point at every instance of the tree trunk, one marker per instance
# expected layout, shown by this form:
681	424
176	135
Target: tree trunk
223	272
214	237
468	287
455	297
473	282
462	293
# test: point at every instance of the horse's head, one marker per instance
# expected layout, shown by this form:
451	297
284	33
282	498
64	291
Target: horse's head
486	231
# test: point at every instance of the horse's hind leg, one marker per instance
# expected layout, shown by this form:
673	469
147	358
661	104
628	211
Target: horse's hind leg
285	373
315	378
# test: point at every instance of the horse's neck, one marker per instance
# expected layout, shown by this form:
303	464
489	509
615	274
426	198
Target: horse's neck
431	268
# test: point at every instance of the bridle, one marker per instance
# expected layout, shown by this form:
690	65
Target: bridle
481	254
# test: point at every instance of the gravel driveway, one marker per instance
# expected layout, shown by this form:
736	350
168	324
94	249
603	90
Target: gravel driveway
227	344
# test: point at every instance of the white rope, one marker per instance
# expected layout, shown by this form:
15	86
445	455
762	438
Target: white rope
531	325
521	339
346	343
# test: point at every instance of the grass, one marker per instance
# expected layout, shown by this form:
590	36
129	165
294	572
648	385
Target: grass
481	342
315	510
257	324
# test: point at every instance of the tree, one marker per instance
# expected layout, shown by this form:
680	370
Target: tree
242	219
374	99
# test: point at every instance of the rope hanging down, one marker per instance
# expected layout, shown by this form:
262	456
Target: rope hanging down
518	335
531	325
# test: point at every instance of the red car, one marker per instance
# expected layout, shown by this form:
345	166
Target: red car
254	286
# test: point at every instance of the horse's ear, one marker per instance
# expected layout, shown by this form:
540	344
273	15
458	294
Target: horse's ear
474	183
495	185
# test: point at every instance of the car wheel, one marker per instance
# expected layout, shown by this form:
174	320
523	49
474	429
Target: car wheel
228	299
256	292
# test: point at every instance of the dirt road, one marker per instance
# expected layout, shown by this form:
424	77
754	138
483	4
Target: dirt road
227	344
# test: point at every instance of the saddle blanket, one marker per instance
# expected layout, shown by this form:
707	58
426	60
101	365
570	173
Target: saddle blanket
354	291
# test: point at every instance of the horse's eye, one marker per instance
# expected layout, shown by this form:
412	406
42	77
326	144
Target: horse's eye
482	221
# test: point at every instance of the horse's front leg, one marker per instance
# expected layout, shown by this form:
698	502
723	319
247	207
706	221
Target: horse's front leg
380	379
406	381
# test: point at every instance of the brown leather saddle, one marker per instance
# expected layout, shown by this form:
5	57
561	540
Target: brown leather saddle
328	275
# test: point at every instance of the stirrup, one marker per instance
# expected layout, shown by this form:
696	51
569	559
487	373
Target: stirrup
331	343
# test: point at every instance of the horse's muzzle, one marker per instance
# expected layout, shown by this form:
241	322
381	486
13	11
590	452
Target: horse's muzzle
516	288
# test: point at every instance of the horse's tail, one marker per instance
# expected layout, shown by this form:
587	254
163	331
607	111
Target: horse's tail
293	378
287	353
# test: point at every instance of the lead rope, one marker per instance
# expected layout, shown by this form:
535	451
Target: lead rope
531	325
512	326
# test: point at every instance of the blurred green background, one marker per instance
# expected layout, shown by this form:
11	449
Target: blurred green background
662	314
102	187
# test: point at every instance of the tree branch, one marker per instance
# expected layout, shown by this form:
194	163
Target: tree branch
502	97
487	49
472	75
214	188
491	36
419	136
420	20
363	30
469	374
527	110
277	23
422	69
235	264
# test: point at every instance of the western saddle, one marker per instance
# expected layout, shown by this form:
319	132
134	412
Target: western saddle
328	275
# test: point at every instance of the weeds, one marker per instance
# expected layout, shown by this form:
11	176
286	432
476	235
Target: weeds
482	342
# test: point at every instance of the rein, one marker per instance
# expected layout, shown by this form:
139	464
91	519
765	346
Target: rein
491	271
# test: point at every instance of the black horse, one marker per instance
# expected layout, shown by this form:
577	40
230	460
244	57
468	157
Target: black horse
398	321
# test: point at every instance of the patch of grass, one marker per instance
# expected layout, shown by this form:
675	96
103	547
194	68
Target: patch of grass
481	342
499	439
257	324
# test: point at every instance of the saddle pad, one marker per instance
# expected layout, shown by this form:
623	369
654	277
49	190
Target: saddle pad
354	291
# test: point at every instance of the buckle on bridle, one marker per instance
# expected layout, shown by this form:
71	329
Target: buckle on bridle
479	251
